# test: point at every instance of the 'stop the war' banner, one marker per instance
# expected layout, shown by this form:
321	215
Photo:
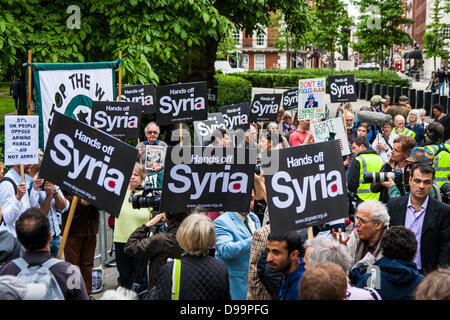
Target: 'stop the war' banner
311	98
186	102
70	88
88	163
210	178
308	189
144	94
342	88
265	107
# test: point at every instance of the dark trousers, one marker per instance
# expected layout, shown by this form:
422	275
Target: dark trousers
80	251
128	266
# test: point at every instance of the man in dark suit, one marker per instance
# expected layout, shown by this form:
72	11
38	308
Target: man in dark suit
427	218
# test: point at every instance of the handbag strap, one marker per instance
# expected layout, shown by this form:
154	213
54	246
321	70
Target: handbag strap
176	273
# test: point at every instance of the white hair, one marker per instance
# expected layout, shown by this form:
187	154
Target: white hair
416	112
120	293
326	249
377	209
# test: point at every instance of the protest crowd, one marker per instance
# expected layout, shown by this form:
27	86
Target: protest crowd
392	243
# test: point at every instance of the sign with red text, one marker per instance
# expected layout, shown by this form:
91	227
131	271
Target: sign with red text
311	98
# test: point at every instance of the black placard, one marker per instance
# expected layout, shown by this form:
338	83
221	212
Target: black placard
186	102
342	88
308	189
265	107
290	99
117	118
203	129
210	178
212	96
236	116
88	163
143	94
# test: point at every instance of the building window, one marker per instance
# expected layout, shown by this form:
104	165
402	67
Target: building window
245	61
260	40
237	37
446	32
260	61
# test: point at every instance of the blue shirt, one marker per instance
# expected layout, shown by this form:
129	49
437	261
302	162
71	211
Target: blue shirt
291	282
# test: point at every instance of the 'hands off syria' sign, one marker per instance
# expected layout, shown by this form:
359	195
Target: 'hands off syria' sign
308	189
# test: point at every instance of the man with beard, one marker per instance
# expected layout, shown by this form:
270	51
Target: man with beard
285	255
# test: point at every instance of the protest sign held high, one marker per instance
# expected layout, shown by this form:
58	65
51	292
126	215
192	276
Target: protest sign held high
70	88
117	118
342	88
265	107
211	178
332	129
88	163
236	116
144	94
21	140
177	103
290	99
203	130
311	99
308	189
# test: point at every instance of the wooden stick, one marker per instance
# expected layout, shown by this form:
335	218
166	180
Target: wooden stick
29	83
120	78
22	173
181	134
259	138
310	233
73	205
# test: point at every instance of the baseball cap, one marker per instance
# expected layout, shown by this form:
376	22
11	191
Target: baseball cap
420	155
403	98
376	99
13	288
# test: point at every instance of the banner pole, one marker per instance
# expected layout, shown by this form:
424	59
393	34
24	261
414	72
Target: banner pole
120	78
259	138
181	133
22	173
29	83
310	233
73	205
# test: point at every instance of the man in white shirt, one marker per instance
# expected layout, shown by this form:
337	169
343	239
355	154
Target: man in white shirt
13	202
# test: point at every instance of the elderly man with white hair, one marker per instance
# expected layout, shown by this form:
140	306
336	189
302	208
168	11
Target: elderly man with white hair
371	220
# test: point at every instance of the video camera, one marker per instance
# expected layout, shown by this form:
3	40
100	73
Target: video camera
383	176
143	200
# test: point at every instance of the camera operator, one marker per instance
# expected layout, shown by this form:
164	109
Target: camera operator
129	219
159	245
366	160
418	155
402	148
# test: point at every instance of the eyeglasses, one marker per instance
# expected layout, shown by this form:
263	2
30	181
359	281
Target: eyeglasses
362	221
152	132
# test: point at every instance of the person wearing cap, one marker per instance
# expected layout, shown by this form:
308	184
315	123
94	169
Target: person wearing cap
13	288
418	155
311	102
403	100
375	103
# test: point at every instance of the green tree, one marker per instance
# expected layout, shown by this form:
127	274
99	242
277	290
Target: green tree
435	40
379	28
332	23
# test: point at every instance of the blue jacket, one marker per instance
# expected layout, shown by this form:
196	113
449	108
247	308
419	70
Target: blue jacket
399	279
290	284
233	248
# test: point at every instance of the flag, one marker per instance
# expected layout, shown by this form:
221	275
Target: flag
70	88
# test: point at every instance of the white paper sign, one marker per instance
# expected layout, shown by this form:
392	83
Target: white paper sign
21	140
332	129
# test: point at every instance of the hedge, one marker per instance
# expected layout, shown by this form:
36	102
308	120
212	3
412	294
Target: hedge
289	78
231	90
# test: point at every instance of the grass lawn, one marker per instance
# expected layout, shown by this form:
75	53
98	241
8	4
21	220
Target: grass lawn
6	106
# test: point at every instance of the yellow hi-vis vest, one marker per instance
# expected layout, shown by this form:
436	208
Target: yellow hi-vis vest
441	162
406	132
368	163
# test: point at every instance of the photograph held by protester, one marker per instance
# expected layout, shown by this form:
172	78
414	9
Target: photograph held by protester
202	277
